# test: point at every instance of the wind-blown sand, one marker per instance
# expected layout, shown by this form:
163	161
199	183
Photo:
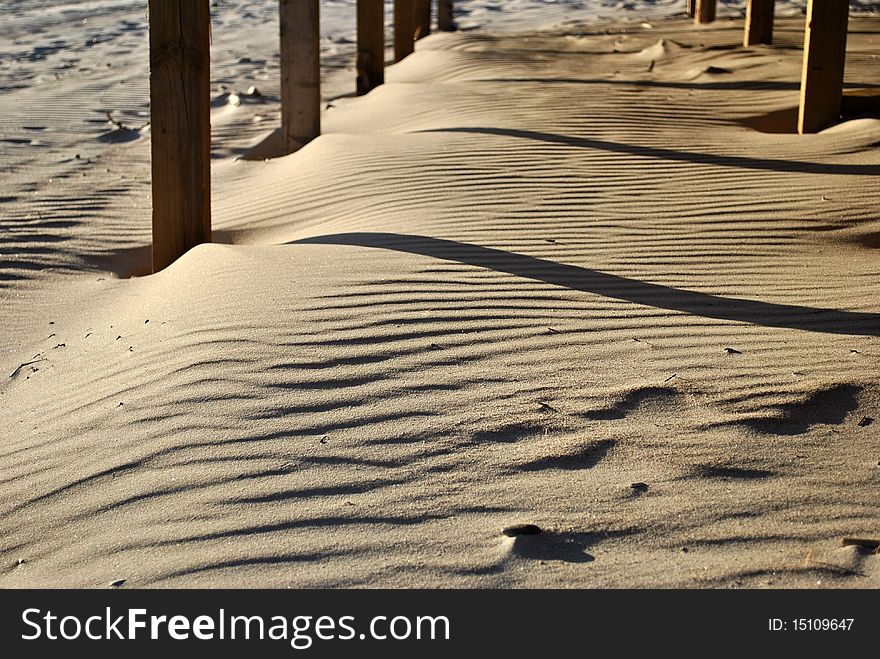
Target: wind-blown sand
558	279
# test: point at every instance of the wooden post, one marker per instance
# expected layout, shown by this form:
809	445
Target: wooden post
370	45
404	28
423	18
692	8
824	62
180	116
704	11
445	21
759	22
300	73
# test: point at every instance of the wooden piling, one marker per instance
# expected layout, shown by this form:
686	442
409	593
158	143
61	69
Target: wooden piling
704	11
180	117
370	45
759	22
404	28
824	62
692	8
300	73
445	20
423	18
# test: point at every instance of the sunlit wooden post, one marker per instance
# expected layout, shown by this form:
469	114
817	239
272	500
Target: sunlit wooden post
370	45
423	18
692	7
759	22
404	28
445	21
180	116
300	73
704	12
824	62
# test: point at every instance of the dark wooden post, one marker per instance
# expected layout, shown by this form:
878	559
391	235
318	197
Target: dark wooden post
300	73
180	116
445	21
370	45
824	62
423	18
759	22
704	11
692	7
404	28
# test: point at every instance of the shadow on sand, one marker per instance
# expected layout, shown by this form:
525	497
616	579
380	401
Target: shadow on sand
575	278
742	162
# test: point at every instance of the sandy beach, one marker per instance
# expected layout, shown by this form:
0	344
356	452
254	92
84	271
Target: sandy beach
582	275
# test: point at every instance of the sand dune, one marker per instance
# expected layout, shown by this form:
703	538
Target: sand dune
559	279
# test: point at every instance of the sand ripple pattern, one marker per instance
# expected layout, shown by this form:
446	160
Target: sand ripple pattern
541	281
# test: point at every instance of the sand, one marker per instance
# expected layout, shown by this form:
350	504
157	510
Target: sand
559	278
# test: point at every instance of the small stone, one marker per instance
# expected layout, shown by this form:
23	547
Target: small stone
866	421
639	487
118	583
732	351
521	529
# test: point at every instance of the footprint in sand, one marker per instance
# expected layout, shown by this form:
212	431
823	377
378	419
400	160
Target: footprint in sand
545	545
644	399
828	406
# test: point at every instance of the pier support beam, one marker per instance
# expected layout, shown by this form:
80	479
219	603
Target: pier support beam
370	45
445	21
404	28
692	8
300	73
180	117
423	18
704	11
824	62
759	22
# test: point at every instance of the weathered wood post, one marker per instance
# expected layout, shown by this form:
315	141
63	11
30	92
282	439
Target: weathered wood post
445	21
692	8
370	45
180	116
759	22
824	62
300	73
404	28
704	12
423	18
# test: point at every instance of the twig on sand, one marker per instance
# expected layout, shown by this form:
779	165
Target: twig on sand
117	124
867	543
121	126
21	366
